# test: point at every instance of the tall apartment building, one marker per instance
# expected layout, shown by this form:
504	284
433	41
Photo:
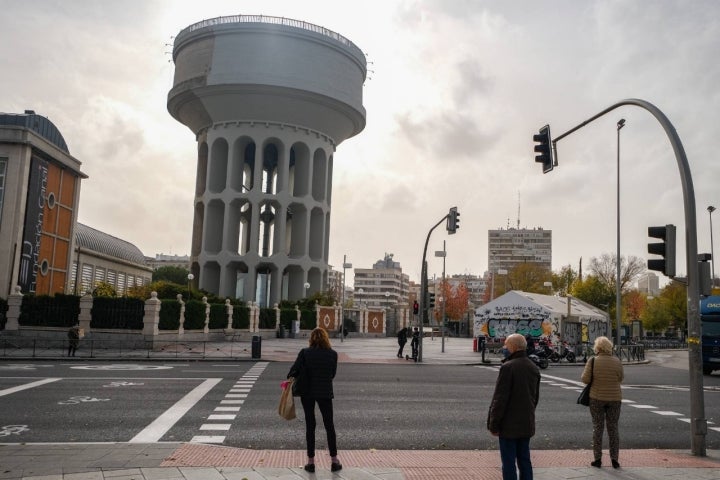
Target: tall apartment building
649	284
510	247
384	285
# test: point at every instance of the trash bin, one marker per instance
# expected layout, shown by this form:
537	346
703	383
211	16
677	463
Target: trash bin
256	346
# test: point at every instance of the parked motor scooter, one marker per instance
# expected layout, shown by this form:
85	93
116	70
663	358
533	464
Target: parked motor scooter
566	353
542	363
544	350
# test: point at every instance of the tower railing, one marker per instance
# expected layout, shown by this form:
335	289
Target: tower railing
267	19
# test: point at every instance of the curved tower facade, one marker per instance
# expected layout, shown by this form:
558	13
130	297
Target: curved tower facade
268	99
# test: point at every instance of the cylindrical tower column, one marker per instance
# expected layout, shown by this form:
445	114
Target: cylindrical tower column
269	99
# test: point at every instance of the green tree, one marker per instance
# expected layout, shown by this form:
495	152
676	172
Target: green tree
104	289
171	274
529	277
564	280
595	292
669	309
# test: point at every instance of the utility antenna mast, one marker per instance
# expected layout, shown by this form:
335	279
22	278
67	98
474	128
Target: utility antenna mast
518	219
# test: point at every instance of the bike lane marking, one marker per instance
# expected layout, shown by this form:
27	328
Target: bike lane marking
160	426
26	386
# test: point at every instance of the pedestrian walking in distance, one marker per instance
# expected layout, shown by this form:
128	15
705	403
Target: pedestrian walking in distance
512	410
606	372
402	340
73	339
314	371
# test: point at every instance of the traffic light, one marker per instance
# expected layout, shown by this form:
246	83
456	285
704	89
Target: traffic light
416	308
453	220
431	297
544	148
666	249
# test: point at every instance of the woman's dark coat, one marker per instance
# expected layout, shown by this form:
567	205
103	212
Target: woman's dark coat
517	392
319	366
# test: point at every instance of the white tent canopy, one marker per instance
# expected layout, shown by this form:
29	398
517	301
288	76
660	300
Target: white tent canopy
540	316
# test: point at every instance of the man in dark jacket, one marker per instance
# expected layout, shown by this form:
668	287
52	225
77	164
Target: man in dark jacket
402	340
512	409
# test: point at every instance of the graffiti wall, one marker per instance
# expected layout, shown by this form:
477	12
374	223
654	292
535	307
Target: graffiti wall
502	320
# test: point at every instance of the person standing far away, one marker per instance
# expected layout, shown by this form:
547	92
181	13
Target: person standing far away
73	339
415	344
402	340
512	410
314	371
606	372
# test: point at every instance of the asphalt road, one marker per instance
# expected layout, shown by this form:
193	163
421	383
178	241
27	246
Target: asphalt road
376	406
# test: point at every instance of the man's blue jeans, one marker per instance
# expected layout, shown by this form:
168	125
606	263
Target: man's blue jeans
514	450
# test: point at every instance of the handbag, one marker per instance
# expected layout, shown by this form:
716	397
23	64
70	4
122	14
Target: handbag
584	398
286	409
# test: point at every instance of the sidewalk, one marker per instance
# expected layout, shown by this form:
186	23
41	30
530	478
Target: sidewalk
176	461
187	461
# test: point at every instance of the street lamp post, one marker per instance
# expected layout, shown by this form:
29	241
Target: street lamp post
618	298
190	278
443	254
710	210
342	303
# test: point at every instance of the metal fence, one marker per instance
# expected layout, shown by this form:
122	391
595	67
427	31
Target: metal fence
23	347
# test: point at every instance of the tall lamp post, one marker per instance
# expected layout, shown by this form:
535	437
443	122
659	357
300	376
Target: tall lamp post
710	210
618	298
443	254
190	278
346	265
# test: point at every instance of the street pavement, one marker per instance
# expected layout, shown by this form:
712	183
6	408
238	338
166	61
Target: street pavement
197	461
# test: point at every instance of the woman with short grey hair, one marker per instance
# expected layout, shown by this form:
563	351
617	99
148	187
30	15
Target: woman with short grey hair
606	373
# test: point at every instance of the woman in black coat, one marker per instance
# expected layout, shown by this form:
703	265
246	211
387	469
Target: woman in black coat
314	370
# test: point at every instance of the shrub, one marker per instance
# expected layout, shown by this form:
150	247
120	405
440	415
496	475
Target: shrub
43	310
308	319
120	313
169	315
104	289
267	318
194	315
218	316
3	313
241	317
287	316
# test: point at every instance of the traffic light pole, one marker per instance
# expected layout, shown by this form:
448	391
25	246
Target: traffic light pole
423	289
697	401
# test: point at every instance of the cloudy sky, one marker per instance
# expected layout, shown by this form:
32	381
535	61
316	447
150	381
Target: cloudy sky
455	92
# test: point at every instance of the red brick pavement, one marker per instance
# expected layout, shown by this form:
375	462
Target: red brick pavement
416	464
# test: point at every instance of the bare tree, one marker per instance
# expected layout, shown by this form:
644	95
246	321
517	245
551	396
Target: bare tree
605	269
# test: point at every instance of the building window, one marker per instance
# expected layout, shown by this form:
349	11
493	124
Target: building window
86	277
99	275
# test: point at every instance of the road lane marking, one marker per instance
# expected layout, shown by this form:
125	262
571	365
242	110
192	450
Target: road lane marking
27	386
208	439
227	409
232	402
215	426
222	417
160	426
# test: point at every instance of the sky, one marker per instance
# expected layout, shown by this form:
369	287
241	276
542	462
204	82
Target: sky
455	91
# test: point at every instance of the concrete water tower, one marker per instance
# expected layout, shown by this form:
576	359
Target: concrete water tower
269	99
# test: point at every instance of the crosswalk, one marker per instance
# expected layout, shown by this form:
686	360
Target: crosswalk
230	405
